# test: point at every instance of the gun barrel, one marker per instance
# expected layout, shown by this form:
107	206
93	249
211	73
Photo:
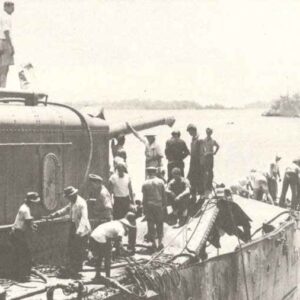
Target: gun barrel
140	124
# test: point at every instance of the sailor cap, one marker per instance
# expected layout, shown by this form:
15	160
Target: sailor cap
94	177
33	197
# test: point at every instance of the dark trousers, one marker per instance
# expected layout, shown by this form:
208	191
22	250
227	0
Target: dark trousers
209	172
290	180
258	193
155	219
21	254
175	164
273	188
132	239
121	207
76	247
196	177
102	251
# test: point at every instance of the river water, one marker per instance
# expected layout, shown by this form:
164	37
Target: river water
247	139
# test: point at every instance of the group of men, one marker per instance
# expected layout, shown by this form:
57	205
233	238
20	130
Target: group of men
264	185
105	233
113	208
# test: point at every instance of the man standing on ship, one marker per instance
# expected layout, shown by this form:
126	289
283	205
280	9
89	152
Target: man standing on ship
211	147
80	228
273	177
23	223
118	151
176	151
196	171
7	50
120	187
153	151
291	179
154	203
103	204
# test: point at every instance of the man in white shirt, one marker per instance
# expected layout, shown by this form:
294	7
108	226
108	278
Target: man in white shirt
102	237
258	183
22	224
7	50
120	187
291	179
80	228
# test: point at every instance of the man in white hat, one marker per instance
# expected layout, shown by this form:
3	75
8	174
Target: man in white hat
102	208
291	179
102	237
23	223
80	228
7	50
153	152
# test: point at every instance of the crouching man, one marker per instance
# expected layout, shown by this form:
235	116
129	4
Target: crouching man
80	228
23	223
178	193
104	235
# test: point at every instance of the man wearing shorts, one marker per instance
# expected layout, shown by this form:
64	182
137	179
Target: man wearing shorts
6	47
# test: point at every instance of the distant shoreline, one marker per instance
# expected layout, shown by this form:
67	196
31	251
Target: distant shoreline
162	105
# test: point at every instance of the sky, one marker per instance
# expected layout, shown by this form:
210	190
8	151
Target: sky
231	52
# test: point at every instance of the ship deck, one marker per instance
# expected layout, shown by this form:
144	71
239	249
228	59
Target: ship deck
175	239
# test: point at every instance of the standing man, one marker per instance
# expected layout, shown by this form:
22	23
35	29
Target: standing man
7	50
178	191
196	171
273	177
176	151
154	203
120	187
211	147
80	228
153	151
103	204
22	224
291	179
117	147
118	151
103	236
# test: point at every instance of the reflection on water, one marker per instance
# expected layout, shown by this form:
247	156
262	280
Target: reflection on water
247	139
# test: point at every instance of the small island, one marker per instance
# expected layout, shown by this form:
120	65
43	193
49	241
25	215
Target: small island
285	106
157	105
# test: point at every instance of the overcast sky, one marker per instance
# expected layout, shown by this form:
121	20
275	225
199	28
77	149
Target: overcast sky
230	52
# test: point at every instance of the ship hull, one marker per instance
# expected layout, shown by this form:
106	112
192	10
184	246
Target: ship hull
267	268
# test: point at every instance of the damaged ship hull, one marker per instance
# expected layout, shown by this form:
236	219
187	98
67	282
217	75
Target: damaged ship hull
266	268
